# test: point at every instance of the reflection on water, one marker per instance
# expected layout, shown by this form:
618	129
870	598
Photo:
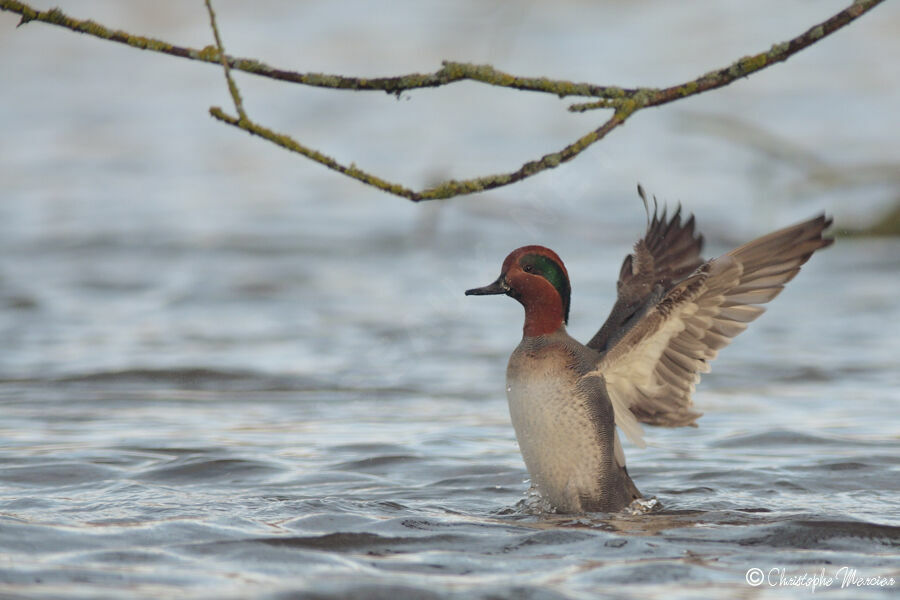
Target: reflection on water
225	373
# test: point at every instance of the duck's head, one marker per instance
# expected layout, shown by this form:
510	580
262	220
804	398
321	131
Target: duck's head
537	278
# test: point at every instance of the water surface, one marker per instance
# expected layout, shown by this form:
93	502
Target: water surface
226	373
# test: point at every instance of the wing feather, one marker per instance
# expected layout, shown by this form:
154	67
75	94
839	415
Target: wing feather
652	370
668	252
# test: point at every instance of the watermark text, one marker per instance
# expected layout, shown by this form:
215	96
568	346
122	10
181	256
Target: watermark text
839	577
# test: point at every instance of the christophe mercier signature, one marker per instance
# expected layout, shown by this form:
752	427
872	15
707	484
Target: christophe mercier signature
845	577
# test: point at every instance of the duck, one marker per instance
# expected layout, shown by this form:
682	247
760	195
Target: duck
673	312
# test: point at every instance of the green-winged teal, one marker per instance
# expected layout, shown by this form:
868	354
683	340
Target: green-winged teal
673	313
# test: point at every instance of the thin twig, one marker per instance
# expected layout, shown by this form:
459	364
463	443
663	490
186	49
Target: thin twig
777	53
232	87
288	143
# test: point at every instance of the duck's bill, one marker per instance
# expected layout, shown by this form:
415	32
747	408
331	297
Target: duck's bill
498	287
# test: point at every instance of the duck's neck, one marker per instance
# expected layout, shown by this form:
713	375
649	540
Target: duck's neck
544	314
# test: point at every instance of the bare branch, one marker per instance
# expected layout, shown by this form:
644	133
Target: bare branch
623	101
450	72
446	189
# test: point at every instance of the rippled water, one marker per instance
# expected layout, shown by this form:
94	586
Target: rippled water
225	373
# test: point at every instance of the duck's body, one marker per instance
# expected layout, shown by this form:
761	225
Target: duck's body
565	425
673	313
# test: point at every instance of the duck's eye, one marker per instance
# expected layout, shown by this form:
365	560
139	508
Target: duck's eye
528	268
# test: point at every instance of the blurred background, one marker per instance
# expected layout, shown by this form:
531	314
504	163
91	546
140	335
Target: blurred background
121	196
192	317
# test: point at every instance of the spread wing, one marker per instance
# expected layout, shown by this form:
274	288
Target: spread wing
668	252
652	370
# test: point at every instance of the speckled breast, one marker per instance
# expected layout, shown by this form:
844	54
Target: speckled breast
554	427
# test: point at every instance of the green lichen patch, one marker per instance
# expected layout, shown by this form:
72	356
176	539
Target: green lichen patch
778	50
208	53
748	64
689	88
